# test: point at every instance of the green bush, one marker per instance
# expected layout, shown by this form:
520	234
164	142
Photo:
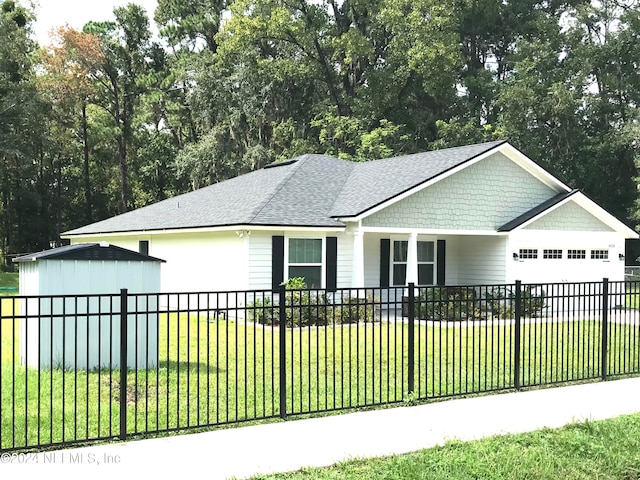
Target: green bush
501	303
354	310
498	303
263	311
447	303
532	302
304	308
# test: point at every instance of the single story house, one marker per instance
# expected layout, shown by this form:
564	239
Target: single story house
477	214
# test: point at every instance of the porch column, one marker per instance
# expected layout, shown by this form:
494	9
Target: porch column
357	274
412	259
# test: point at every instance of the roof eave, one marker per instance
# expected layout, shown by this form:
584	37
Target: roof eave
208	228
588	205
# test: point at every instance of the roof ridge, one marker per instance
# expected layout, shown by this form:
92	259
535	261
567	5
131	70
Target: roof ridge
299	161
352	166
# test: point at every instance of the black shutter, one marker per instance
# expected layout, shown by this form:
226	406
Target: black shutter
385	252
440	263
332	264
277	261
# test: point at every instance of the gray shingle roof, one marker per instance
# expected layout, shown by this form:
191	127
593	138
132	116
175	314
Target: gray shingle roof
311	190
535	211
372	183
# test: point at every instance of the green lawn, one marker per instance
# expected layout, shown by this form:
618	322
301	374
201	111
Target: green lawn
221	371
606	450
8	284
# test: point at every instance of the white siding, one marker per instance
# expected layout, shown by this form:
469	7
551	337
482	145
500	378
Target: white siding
481	260
452	261
260	260
345	260
372	259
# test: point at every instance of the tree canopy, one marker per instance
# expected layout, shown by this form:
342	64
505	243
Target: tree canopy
111	118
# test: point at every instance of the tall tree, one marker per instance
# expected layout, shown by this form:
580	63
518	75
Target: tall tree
24	218
125	46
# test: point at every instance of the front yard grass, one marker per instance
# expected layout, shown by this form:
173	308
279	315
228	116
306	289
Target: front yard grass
8	283
220	371
606	449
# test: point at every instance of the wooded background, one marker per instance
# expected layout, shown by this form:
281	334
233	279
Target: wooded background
111	118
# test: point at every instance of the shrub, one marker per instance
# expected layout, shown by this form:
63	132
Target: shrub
263	311
305	307
501	302
498	303
533	301
447	303
354	310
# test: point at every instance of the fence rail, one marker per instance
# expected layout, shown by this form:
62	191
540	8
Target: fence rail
90	367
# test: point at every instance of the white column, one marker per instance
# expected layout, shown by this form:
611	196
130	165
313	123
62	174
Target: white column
357	274
412	259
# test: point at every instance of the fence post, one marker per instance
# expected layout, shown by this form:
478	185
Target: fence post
518	325
411	339
282	330
605	329
123	363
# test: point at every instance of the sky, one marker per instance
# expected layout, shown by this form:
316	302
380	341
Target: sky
55	13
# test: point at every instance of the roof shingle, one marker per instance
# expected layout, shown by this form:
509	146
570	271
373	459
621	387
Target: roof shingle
309	191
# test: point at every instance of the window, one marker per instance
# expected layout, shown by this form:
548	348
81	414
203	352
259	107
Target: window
599	254
576	254
426	261
305	260
528	253
551	253
143	247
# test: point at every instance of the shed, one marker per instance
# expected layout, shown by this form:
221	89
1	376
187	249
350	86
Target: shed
72	307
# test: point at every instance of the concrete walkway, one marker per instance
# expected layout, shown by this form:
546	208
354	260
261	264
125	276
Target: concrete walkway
285	446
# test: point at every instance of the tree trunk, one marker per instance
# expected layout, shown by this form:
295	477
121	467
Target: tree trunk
87	180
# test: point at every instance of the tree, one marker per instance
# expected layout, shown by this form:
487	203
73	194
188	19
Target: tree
24	175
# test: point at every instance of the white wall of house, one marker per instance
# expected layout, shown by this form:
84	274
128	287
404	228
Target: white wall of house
345	259
199	261
259	261
481	259
259	269
564	269
372	259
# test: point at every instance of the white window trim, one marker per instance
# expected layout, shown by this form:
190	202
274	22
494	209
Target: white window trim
323	259
421	238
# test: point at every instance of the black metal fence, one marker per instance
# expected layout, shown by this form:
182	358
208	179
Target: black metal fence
90	367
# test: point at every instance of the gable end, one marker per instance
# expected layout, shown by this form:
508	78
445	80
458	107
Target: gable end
569	217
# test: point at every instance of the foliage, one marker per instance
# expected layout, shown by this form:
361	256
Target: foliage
501	302
107	119
533	301
447	303
357	309
309	307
